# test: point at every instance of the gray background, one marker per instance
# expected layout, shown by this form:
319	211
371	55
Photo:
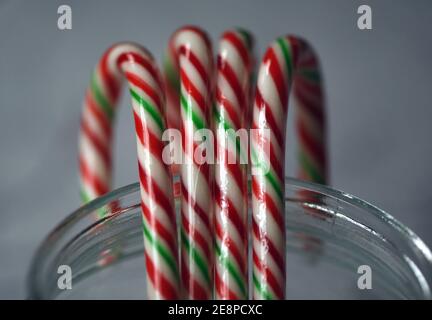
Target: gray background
378	89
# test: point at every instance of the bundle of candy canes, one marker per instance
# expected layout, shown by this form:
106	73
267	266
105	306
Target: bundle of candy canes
196	93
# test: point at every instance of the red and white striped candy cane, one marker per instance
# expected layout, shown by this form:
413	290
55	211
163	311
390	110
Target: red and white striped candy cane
131	61
234	65
289	60
193	54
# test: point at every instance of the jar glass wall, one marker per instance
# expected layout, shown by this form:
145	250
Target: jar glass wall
331	243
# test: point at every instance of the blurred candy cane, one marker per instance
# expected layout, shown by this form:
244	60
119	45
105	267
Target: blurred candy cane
234	65
130	61
288	61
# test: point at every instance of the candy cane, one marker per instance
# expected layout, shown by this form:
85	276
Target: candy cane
193	58
137	66
287	59
234	63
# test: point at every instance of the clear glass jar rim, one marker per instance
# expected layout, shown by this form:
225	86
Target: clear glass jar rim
406	233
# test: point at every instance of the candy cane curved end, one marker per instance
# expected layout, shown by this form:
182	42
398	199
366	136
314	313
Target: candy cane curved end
288	62
135	64
191	64
233	75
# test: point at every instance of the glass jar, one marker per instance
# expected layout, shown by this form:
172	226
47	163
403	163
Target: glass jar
338	247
